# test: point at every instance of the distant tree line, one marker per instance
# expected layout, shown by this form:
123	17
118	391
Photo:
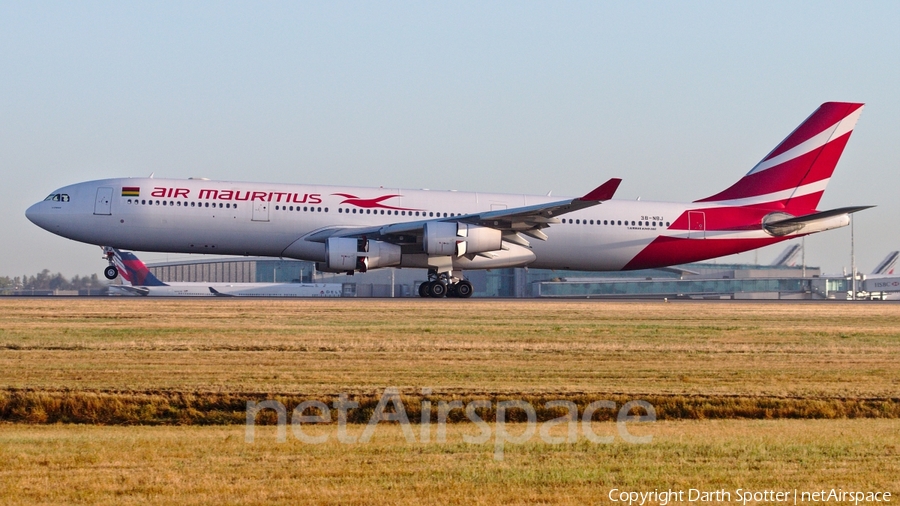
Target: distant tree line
44	280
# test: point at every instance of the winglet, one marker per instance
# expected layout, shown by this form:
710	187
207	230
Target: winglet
603	192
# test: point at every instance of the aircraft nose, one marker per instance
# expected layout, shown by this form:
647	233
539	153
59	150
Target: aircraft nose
37	215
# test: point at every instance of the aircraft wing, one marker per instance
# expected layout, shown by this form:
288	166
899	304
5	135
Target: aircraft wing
218	293
528	220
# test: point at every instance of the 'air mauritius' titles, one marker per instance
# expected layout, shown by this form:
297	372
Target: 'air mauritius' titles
238	195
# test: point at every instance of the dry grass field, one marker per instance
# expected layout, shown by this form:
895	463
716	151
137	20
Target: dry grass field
805	395
66	464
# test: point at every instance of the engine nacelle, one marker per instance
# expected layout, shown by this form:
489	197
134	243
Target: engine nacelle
458	239
346	254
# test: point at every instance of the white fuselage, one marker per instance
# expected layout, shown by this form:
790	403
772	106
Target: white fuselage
234	290
239	218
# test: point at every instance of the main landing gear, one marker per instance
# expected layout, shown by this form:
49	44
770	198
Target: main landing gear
444	285
111	272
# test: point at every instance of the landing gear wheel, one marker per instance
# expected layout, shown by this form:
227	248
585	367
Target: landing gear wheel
451	290
425	289
111	272
437	289
464	289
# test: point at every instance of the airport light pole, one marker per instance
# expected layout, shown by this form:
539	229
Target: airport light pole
803	254
852	260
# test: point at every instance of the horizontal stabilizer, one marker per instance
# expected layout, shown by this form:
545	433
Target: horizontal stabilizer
134	290
816	222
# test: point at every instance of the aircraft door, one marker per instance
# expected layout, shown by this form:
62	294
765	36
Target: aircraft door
260	210
104	198
696	225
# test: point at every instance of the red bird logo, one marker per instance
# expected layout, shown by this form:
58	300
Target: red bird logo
371	203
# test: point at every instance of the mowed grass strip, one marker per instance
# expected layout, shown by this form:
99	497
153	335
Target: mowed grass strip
323	347
214	465
205	408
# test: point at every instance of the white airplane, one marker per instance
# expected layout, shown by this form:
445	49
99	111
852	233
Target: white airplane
348	229
138	280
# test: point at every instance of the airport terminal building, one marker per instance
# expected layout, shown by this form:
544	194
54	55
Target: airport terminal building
696	281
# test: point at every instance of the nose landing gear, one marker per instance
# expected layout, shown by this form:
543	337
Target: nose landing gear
444	285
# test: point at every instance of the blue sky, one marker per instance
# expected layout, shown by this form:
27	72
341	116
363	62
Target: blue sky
680	99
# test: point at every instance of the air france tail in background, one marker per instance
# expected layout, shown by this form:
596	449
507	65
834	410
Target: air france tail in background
355	229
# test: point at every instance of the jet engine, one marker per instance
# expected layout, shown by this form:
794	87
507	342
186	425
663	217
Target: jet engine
347	254
443	239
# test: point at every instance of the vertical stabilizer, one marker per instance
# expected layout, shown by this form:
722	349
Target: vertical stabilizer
794	175
786	258
133	270
886	266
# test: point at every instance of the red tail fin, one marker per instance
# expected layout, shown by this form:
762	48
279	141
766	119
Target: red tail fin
794	175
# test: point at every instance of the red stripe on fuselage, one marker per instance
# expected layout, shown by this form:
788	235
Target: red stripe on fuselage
666	251
727	218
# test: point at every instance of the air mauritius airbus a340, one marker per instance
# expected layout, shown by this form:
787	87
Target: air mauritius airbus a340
349	229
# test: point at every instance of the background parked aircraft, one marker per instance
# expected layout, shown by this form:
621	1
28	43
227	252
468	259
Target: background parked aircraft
138	280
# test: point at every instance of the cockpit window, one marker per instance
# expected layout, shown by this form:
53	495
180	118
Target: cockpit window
57	197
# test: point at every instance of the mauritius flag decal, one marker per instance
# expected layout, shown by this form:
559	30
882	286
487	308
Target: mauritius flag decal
131	191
